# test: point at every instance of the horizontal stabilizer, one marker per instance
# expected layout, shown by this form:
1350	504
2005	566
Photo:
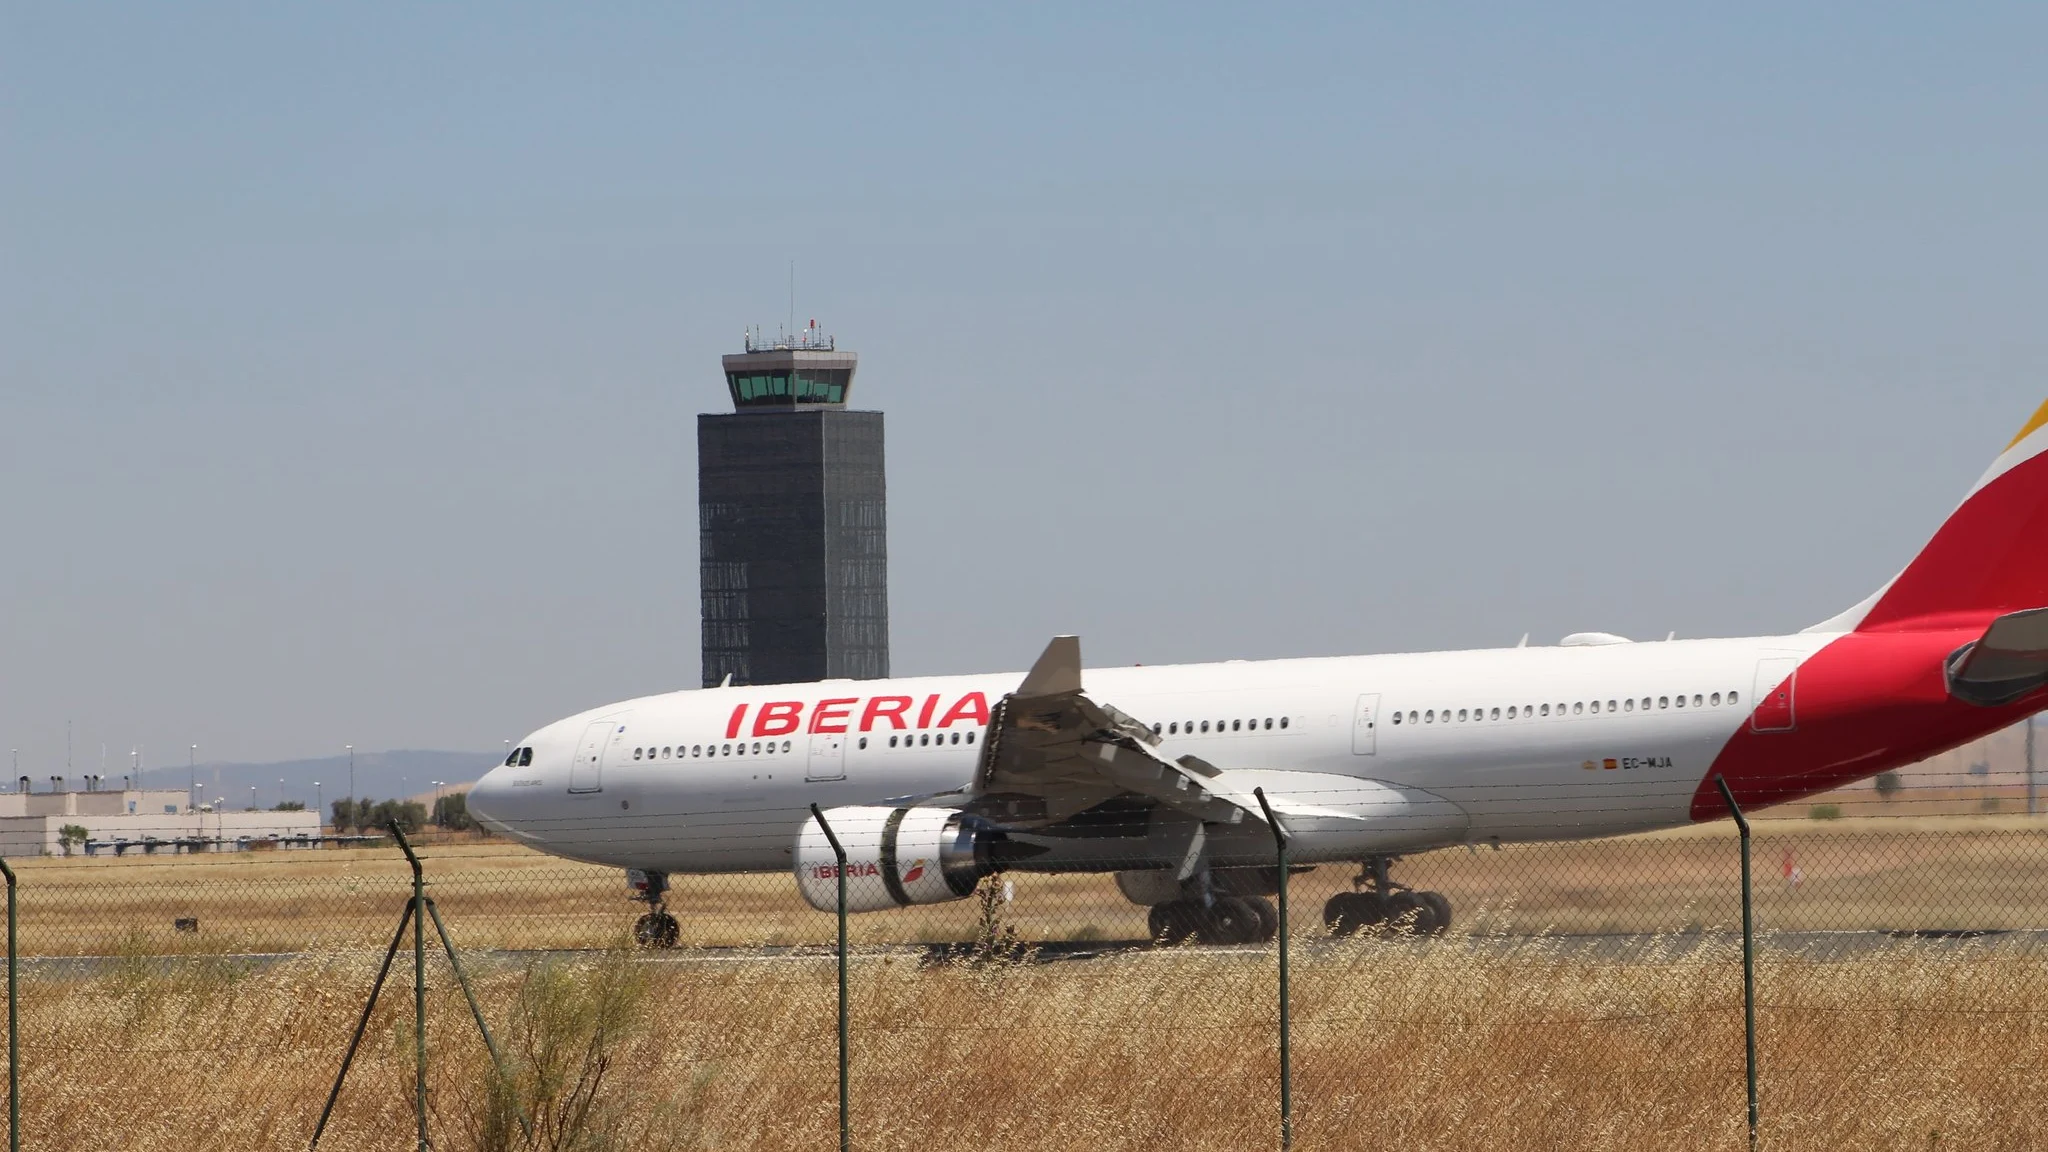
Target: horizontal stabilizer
2007	662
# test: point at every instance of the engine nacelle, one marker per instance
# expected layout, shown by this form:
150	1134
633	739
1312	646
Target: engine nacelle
894	857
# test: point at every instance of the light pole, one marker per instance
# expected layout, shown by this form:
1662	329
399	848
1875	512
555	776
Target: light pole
252	797
2030	766
192	776
319	809
280	792
351	773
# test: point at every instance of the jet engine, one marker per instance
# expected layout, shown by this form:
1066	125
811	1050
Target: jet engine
897	856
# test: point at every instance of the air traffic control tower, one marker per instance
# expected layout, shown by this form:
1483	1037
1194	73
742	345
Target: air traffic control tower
792	514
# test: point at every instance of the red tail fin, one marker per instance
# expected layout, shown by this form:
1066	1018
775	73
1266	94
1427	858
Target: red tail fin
1990	556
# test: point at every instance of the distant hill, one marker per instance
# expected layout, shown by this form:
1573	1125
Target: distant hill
378	776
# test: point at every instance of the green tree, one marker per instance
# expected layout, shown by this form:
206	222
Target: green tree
410	815
290	806
72	836
451	813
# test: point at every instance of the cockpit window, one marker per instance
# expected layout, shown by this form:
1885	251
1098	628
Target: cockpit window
512	757
525	757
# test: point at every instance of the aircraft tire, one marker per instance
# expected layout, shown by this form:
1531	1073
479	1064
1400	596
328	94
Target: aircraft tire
1349	913
1228	920
1408	914
1172	922
657	930
1439	919
1268	918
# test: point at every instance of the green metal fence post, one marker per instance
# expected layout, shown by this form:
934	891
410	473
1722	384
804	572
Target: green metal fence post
845	1129
13	1020
362	1022
1748	955
1286	1047
419	981
476	1011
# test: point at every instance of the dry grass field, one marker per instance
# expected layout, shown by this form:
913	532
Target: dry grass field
1857	874
1514	1032
1524	1044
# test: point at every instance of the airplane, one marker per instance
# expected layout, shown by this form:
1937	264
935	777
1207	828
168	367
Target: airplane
1155	774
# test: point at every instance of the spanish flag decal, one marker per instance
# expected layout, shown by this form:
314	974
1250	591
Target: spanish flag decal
1610	763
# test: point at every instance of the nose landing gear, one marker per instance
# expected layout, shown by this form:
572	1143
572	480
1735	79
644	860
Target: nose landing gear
1388	906
656	928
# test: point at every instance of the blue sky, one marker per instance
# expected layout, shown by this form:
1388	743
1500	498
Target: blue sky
349	356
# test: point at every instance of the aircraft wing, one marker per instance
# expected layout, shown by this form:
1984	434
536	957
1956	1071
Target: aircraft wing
1053	752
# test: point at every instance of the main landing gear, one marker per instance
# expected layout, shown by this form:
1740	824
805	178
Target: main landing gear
1222	920
1387	906
657	928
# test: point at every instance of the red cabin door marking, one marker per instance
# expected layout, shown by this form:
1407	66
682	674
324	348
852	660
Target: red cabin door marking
1776	678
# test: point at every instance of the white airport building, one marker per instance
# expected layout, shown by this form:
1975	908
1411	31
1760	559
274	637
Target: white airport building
139	821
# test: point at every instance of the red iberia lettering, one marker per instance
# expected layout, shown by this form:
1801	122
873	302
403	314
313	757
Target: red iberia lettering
972	706
890	708
732	726
778	719
831	710
924	715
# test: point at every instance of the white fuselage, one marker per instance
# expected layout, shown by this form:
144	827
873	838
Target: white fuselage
1528	743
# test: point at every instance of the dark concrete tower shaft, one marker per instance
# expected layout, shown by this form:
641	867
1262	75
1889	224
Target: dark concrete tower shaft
793	522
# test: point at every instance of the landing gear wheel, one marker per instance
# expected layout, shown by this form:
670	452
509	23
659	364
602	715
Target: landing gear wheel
656	930
1172	922
1439	918
1408	915
1349	913
1228	920
1267	916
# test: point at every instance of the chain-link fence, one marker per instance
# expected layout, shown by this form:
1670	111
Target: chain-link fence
1586	994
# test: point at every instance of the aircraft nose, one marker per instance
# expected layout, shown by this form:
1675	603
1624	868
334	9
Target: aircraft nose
487	799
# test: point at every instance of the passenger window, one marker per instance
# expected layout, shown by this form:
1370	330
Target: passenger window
1205	727
1716	699
725	749
1429	717
892	741
1546	710
1680	701
757	747
1173	729
924	741
1663	701
1629	705
955	739
785	745
1578	708
1283	721
1237	725
1155	729
1397	717
1461	715
1695	699
1494	715
970	737
1596	708
1731	697
863	742
636	753
1269	723
1511	711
